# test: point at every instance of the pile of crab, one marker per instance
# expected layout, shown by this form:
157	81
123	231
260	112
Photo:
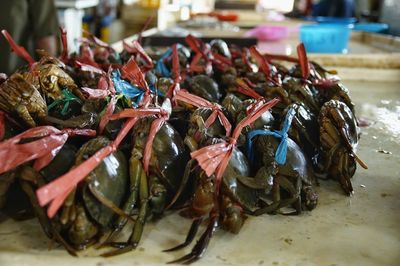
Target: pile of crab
99	139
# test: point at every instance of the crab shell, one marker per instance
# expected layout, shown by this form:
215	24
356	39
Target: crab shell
17	96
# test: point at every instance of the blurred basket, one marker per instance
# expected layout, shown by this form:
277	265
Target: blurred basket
326	38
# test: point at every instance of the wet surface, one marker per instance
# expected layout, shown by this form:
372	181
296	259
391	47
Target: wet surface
360	230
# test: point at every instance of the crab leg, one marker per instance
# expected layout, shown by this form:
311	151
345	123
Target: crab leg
123	247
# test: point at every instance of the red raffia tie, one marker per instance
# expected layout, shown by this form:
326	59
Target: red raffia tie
156	125
176	72
214	159
154	128
64	55
255	106
97	41
2	125
306	71
220	61
303	61
200	102
270	57
94	94
134	74
43	150
244	54
201	51
137	50
55	192
246	90
196	45
19	50
261	62
110	106
89	67
86	56
105	88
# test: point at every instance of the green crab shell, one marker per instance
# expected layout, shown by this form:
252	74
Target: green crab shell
110	179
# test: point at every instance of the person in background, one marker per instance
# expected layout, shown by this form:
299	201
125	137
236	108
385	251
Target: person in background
105	14
33	24
324	8
334	8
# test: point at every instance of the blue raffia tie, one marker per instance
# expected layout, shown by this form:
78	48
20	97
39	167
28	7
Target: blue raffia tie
128	90
161	68
281	152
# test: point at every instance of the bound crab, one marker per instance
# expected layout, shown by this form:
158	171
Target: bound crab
218	194
283	171
28	93
339	137
154	169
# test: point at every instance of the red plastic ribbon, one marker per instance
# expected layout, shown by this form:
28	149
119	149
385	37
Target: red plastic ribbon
64	54
246	90
44	149
137	50
154	128
176	73
214	159
235	51
201	51
89	67
86	56
133	73
105	88
55	192
107	114
303	61
128	48
196	45
200	102
93	94
220	61
97	41
279	57
58	190
261	62
19	50
195	67
110	106
244	56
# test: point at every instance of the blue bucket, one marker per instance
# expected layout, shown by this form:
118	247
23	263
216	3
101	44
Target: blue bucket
325	38
371	27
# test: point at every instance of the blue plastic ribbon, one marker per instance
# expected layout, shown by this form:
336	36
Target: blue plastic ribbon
281	152
127	89
161	68
130	91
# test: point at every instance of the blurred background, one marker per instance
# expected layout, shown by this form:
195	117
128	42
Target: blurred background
324	26
113	20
